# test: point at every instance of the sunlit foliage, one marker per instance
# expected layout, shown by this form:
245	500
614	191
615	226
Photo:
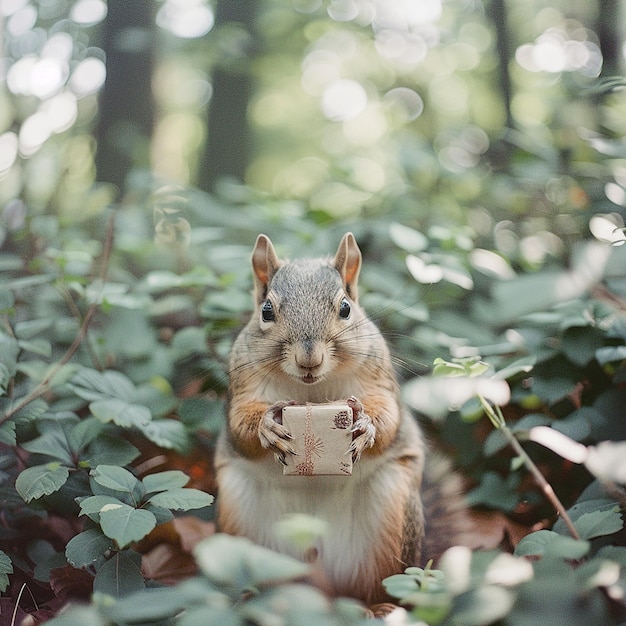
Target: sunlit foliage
359	106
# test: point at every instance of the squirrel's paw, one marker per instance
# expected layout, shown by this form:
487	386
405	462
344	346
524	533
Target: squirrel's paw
363	429
273	434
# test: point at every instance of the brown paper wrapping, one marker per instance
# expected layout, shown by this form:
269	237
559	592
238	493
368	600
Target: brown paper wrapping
321	438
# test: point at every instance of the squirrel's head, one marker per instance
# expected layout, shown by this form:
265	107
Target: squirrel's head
308	308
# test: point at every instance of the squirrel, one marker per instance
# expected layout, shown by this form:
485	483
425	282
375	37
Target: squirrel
309	341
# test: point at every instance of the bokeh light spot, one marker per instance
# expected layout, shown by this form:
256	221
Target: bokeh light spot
88	12
405	103
46	78
8	150
187	19
34	132
344	99
21	21
61	111
88	76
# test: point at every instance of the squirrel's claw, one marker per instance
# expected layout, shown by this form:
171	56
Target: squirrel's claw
363	428
280	457
273	434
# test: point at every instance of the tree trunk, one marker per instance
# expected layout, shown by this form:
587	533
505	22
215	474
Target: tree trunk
125	122
609	28
228	147
498	15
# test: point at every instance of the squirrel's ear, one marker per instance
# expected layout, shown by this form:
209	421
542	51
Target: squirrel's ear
264	264
348	263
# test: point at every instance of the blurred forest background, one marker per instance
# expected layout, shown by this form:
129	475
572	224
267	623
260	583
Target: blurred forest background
462	111
477	149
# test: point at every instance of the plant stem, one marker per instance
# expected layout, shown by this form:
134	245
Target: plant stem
546	487
497	419
43	386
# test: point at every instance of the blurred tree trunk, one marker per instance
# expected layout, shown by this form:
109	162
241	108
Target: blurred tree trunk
126	106
500	150
610	31
498	15
228	147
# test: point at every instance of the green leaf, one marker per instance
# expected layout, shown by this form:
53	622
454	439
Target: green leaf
40	347
202	615
92	385
46	558
5	378
27	281
120	412
611	354
87	547
32	411
300	531
529	421
9	351
401	585
125	524
115	478
294	604
6	568
197	412
481	606
153	605
93	504
576	426
182	499
7	302
27	329
140	342
579	344
162	515
7	433
584	507
549	543
447	368
188	342
599	523
83	433
161	481
111	450
167	433
39	370
41	480
613	553
83	615
496	440
120	575
150	606
523	365
493	491
161	280
52	444
158	396
239	563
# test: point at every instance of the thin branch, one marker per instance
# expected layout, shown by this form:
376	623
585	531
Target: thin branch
497	419
43	386
546	487
74	310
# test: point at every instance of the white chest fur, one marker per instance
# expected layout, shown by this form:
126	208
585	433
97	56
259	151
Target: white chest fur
264	496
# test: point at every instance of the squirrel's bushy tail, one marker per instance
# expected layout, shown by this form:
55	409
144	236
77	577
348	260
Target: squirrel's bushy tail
447	521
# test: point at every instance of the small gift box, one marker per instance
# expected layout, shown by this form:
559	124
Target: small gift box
321	438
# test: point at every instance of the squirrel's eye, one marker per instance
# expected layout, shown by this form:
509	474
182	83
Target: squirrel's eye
344	309
267	312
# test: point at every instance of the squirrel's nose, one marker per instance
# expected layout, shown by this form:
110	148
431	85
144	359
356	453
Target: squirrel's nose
309	355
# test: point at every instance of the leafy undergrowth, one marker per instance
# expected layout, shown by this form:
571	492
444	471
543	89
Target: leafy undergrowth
112	373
